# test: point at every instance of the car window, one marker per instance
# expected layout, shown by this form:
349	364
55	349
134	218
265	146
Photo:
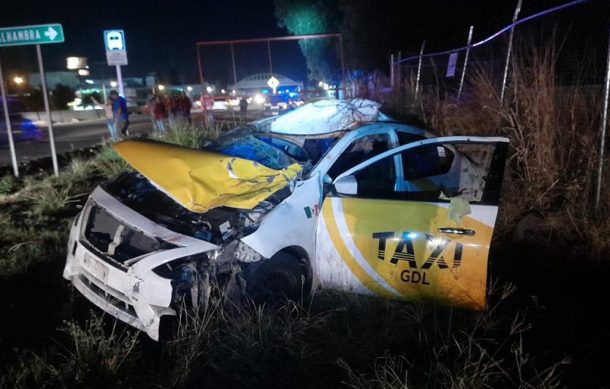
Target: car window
426	161
436	172
405	137
377	180
359	151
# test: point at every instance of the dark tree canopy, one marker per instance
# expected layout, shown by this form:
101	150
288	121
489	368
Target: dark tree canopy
312	17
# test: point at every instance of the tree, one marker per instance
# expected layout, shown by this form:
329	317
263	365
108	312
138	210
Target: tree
62	95
91	99
312	17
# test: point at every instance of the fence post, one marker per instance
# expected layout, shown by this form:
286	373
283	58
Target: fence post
465	63
398	75
604	124
392	71
421	53
510	49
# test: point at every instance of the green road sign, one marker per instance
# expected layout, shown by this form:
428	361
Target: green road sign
31	35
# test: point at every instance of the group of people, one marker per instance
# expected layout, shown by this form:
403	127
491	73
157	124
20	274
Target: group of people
163	108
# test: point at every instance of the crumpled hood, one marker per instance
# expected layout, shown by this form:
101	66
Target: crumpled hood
200	180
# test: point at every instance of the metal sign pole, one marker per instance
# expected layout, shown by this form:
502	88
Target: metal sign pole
9	130
421	53
269	55
119	80
465	63
510	49
392	70
604	124
233	66
43	83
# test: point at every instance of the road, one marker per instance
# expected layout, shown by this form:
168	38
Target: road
68	136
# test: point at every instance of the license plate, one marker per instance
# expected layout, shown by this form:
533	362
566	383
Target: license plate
95	268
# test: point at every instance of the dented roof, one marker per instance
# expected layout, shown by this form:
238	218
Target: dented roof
326	116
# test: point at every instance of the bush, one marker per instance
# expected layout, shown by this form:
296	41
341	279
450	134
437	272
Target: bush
8	185
190	135
553	133
109	163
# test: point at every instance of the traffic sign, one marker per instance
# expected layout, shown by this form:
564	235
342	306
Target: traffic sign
273	83
116	48
31	35
114	40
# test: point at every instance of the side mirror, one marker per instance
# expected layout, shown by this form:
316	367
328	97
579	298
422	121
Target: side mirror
346	185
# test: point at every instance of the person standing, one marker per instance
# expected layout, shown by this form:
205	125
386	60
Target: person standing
243	107
109	117
119	112
185	107
160	113
110	120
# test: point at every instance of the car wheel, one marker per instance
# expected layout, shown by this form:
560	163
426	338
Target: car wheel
277	279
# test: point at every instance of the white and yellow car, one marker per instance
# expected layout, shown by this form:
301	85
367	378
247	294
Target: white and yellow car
333	194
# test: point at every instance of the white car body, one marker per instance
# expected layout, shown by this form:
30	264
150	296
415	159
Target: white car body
140	297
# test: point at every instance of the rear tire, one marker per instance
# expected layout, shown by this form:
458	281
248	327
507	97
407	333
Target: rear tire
280	278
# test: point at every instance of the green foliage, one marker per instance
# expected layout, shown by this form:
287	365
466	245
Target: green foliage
94	357
190	135
91	98
307	17
62	95
33	101
8	184
109	163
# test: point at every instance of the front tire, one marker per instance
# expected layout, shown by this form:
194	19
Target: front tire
280	278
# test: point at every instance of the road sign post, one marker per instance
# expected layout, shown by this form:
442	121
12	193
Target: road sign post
45	95
9	130
116	54
32	35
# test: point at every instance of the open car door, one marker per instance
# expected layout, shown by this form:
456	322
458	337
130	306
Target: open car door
415	222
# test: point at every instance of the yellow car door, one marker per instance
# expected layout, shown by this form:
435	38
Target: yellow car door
415	222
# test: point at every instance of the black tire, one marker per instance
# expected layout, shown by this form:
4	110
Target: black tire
277	279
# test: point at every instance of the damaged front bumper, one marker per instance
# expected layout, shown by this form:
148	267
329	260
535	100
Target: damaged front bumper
124	283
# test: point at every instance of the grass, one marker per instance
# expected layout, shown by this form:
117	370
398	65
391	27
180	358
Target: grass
553	131
333	340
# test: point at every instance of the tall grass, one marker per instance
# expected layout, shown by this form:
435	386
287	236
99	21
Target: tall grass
190	134
334	339
553	131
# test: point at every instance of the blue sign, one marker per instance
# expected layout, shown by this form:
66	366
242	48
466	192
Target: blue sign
114	40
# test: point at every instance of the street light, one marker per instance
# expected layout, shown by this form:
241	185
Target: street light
209	89
161	87
189	88
113	84
18	80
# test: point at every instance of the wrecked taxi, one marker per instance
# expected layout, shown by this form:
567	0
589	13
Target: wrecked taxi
334	194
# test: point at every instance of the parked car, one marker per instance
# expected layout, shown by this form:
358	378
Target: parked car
333	194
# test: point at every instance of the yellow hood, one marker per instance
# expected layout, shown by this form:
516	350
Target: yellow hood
200	180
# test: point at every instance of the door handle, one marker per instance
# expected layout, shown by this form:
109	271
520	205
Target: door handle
457	231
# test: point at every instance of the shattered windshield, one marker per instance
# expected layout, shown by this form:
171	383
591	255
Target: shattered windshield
275	153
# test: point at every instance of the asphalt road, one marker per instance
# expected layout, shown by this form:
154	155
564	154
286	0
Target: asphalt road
68	136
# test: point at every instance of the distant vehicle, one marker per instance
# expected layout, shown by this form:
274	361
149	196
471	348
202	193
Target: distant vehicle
334	194
23	129
115	41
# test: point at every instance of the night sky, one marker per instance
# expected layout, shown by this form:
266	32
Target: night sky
161	36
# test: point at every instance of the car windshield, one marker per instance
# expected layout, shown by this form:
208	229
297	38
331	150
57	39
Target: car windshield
273	152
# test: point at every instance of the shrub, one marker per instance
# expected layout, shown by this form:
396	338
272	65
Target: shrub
109	163
8	185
